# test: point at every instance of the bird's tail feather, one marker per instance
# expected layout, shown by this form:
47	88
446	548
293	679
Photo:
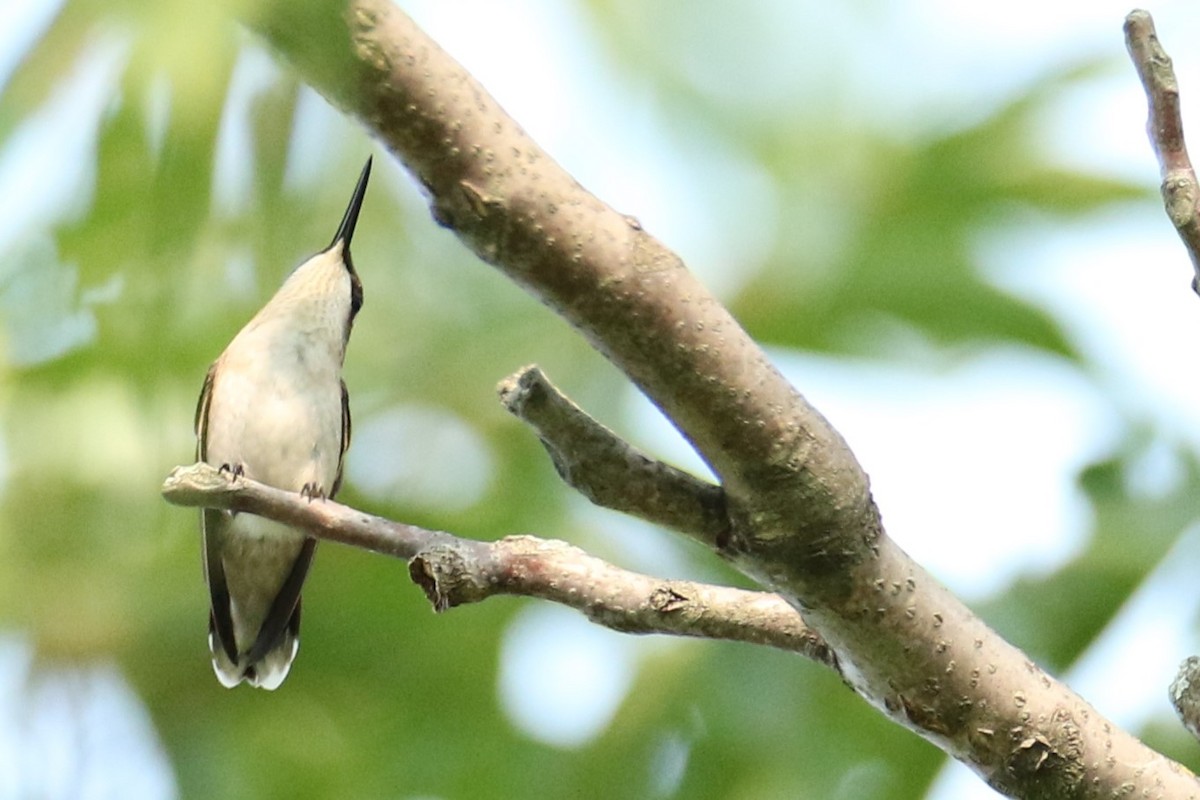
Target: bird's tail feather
267	672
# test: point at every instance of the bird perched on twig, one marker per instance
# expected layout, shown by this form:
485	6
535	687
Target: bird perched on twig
274	408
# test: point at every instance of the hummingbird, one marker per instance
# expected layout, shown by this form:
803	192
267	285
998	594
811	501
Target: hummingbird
274	408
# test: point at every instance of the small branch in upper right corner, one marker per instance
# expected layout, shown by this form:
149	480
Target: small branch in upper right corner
1181	193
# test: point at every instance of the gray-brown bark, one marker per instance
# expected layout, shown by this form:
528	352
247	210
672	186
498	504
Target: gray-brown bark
1181	193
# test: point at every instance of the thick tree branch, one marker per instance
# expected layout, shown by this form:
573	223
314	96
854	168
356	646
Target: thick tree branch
608	470
454	571
803	520
1180	191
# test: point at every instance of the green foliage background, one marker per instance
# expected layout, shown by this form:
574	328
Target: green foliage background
114	309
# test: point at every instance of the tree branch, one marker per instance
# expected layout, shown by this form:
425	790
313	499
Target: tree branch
454	571
1181	194
609	471
803	520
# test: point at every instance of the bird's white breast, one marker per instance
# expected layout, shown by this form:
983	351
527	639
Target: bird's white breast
276	409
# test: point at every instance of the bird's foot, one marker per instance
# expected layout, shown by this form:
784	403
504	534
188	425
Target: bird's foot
313	491
234	471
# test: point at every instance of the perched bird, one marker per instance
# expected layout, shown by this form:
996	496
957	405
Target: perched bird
274	408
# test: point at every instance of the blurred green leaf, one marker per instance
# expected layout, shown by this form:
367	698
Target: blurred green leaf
913	213
1131	535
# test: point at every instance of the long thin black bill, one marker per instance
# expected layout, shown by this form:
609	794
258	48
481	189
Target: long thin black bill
345	231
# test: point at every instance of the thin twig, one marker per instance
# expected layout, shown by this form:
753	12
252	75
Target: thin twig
202	486
1181	194
609	471
453	571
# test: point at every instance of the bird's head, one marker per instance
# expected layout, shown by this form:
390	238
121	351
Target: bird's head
325	291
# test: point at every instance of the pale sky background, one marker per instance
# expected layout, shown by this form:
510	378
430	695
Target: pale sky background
938	446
